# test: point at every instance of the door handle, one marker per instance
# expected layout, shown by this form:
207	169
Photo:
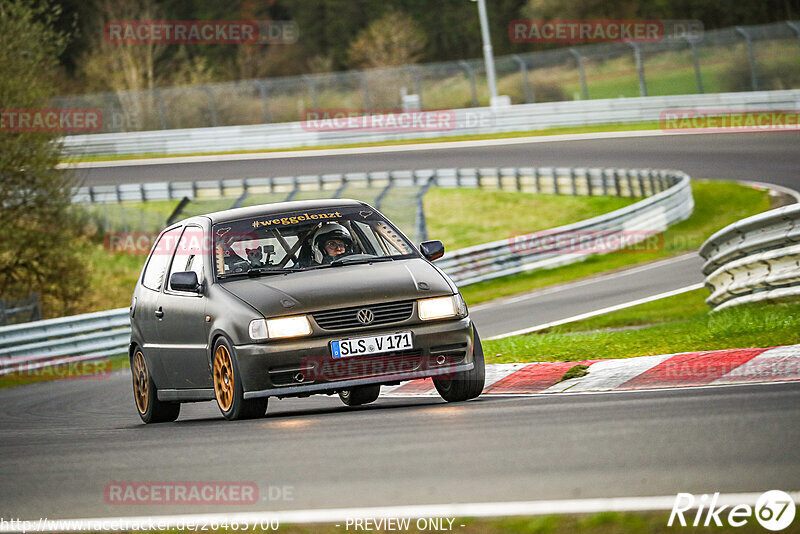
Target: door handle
159	312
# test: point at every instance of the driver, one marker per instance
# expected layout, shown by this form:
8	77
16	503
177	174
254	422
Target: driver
329	241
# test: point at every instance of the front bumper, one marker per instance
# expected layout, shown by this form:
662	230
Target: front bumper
305	366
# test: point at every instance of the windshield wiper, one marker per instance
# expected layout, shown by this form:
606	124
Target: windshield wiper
357	261
255	271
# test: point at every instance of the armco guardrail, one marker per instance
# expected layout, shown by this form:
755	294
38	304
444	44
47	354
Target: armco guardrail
756	259
470	121
669	200
29	346
562	180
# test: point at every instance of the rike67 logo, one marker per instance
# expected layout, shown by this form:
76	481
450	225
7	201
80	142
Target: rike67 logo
774	510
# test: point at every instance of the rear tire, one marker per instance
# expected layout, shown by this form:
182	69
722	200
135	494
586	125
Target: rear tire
228	388
145	394
360	395
466	384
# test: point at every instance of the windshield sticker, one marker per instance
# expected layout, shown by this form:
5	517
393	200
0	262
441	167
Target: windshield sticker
296	219
365	214
222	231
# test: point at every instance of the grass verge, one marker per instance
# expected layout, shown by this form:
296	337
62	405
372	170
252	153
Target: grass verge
681	323
717	204
465	217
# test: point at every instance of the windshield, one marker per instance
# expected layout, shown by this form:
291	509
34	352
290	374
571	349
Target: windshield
303	240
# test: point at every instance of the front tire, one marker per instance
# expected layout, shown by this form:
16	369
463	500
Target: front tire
145	394
228	388
360	395
466	384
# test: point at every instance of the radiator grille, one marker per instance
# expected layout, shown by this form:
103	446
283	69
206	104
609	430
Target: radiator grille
344	318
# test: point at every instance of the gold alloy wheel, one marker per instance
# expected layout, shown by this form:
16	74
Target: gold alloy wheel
223	378
141	382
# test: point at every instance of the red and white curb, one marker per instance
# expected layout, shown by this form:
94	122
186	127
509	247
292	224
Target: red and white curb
708	368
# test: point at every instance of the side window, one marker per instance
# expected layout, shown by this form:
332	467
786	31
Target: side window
156	267
189	254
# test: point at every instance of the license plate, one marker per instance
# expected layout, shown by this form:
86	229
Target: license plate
371	345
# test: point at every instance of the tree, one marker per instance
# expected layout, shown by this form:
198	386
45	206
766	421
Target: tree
40	240
393	39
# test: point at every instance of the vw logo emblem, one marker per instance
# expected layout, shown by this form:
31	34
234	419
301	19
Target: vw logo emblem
365	316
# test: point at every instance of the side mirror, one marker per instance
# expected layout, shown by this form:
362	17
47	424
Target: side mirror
186	281
432	250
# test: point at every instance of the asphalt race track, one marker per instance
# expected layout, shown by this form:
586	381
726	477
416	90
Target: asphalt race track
551	304
766	157
63	442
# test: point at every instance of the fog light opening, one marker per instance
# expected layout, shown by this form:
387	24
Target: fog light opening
441	360
299	377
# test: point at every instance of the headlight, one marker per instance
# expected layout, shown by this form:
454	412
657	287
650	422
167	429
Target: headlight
441	307
281	327
258	329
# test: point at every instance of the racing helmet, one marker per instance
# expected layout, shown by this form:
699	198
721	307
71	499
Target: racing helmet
325	233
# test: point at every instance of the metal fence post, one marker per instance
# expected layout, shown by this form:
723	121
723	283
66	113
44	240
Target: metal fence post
523	71
421	229
262	93
537	180
588	176
114	109
796	29
312	87
364	88
573	185
554	175
342	186
640	178
294	191
751	58
212	105
629	178
471	77
162	109
637	54
696	63
617	185
382	194
581	72
417	82
36	314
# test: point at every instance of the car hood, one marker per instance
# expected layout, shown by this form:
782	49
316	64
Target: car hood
339	287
